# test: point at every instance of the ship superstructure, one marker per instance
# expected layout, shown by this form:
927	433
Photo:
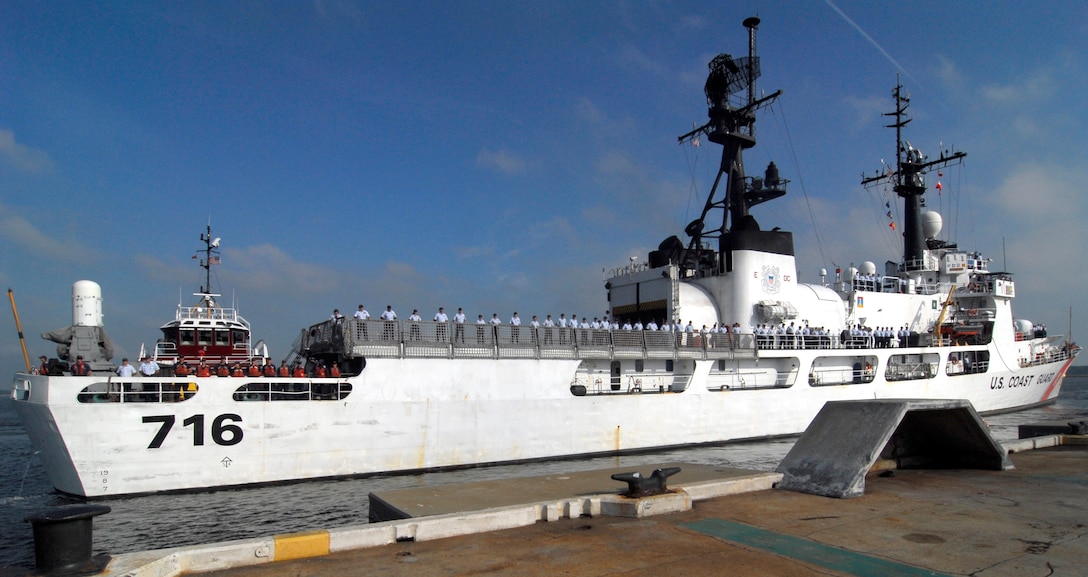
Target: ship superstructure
711	340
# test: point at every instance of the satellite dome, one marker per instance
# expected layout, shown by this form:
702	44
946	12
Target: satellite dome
931	223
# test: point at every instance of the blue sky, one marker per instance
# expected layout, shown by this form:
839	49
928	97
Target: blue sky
499	155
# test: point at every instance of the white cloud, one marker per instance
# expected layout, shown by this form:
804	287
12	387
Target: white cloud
1039	193
950	74
21	232
23	157
1031	90
631	57
265	267
866	109
502	160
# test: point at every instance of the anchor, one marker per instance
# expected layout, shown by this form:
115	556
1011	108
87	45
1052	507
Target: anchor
639	486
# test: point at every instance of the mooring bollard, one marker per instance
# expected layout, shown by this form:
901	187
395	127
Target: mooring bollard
63	538
639	486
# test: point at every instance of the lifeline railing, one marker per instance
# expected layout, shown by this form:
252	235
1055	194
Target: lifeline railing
403	339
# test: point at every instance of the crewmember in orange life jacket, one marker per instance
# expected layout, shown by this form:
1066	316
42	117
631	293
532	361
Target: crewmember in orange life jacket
284	371
80	368
180	368
299	371
320	372
222	369
335	371
43	369
203	370
254	370
269	368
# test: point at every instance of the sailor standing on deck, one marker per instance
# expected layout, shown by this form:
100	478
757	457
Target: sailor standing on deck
362	315
459	322
548	325
80	369
126	370
389	317
479	329
441	318
515	322
415	319
148	367
180	368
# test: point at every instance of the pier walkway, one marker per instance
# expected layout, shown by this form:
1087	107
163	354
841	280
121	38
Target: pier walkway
1029	520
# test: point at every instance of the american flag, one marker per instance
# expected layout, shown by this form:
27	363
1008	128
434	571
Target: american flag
214	260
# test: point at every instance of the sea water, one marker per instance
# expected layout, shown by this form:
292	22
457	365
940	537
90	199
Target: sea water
159	521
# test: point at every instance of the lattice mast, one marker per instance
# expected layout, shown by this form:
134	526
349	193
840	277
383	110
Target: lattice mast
732	125
908	179
211	256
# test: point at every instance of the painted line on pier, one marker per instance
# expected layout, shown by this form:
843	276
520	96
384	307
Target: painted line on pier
300	545
807	551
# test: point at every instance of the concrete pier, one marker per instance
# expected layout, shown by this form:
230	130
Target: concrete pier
1028	520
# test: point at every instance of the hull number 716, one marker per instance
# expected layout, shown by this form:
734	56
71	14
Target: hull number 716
223	430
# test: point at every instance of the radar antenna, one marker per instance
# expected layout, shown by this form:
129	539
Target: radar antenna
732	125
908	180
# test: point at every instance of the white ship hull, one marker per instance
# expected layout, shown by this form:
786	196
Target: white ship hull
752	353
412	414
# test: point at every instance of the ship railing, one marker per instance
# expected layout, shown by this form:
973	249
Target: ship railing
928	262
369	338
557	343
1050	354
165	350
878	283
605	384
927	288
823	376
473	341
803	341
138	390
516	342
910	371
659	344
593	343
892	284
209	313
429	339
628	344
734	379
977	286
974	315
